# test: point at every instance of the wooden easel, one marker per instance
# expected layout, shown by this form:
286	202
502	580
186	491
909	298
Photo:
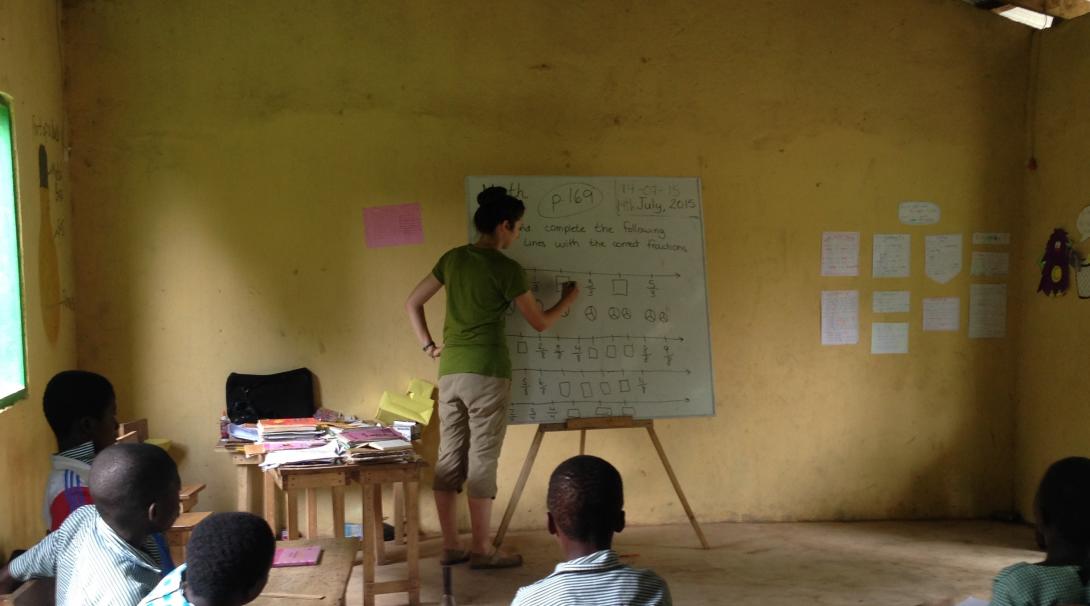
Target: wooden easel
582	425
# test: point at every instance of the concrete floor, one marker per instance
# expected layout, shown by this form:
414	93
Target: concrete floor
885	563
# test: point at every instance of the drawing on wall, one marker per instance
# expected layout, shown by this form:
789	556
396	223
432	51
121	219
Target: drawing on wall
1056	263
636	342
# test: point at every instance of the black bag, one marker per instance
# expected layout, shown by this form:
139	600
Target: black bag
284	395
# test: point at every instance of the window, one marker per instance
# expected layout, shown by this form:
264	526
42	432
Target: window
12	349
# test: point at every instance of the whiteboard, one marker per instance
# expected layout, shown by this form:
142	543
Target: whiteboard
636	341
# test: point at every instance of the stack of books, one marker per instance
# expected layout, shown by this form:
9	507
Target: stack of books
280	430
375	445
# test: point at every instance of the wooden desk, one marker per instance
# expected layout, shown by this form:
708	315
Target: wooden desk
404	476
329	578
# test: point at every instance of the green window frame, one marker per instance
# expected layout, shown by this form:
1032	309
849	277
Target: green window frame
12	334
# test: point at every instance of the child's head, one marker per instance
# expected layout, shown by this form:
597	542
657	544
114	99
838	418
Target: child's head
497	209
1063	502
135	488
228	558
586	501
80	407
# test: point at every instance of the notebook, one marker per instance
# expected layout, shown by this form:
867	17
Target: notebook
296	556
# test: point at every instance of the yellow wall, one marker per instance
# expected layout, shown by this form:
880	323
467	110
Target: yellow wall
31	73
1052	408
223	151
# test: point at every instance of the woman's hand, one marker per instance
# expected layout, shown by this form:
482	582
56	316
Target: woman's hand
434	351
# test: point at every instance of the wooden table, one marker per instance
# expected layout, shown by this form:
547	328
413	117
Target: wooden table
328	579
371	478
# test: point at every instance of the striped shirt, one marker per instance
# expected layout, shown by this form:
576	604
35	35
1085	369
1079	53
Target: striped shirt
1035	585
170	591
598	578
92	564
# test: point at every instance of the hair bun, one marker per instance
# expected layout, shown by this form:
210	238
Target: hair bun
492	195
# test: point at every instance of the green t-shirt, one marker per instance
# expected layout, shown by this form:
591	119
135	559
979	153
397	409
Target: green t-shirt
1036	585
480	283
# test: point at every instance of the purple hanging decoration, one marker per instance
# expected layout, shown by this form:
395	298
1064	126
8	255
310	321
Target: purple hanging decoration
1056	264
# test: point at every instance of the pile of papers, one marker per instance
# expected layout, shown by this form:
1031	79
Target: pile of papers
374	445
326	454
288	429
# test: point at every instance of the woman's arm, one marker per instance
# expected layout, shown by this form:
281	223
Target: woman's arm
543	319
414	306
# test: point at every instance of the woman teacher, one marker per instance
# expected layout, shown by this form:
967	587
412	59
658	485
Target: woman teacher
475	368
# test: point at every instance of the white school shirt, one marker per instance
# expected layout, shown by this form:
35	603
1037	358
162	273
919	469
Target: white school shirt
92	564
596	579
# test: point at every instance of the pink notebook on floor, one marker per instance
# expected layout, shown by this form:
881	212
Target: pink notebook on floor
297	556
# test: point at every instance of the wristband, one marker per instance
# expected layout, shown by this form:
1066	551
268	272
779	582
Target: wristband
429	345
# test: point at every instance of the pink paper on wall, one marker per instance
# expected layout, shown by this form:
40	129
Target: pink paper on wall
393	225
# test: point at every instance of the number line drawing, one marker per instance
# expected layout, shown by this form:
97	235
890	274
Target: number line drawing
581	371
603	273
595	338
601	402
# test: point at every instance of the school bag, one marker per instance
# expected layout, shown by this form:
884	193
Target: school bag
284	395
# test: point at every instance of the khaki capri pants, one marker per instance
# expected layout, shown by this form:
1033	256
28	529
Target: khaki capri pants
472	422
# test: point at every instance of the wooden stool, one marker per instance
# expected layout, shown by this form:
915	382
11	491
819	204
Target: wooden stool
371	479
178	535
309	479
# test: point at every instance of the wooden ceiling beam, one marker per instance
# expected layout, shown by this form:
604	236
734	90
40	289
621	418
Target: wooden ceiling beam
1064	9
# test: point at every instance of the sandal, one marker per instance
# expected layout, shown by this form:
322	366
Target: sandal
480	561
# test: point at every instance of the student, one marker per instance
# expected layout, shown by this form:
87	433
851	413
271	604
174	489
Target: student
475	368
82	412
109	553
227	564
585	507
1062	513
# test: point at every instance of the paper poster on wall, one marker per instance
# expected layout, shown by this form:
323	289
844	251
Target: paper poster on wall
890	301
996	239
891	258
989	264
987	311
392	225
840	253
919	213
1083	279
942	257
889	338
839	317
942	314
1083	224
